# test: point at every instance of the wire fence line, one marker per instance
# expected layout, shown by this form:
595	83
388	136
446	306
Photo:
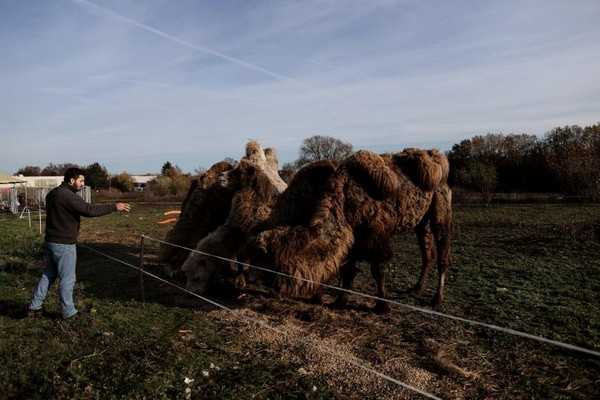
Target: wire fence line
265	325
498	328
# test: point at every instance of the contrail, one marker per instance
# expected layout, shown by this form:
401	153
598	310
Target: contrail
185	43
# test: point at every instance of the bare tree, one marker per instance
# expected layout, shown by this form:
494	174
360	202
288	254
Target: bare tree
30	170
320	147
287	171
574	153
57	169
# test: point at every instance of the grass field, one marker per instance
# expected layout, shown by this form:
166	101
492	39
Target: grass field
533	268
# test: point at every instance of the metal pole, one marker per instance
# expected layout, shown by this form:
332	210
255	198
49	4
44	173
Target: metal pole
141	270
40	209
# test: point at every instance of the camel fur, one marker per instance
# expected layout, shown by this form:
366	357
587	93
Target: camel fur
205	207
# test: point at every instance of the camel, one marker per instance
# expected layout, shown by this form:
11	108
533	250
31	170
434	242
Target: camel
255	185
329	218
208	202
363	202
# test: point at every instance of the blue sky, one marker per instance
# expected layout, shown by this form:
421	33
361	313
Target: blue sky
133	83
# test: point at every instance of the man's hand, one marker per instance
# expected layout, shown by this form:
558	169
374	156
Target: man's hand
123	207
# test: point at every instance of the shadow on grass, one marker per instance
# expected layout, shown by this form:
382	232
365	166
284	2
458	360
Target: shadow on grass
13	309
20	310
104	278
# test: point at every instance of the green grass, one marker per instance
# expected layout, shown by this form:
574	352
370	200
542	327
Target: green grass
123	348
19	245
534	268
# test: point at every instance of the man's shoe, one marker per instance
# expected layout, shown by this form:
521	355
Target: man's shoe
73	317
78	316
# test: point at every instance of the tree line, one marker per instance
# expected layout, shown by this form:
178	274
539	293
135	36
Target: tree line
171	181
96	174
565	160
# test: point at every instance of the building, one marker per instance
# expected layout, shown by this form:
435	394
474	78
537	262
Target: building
41	181
18	192
7	181
140	181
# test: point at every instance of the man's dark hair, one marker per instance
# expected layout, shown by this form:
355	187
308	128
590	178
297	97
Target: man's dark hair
73	173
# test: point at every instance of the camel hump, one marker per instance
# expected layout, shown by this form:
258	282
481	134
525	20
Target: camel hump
211	176
427	169
220	166
315	171
300	201
371	171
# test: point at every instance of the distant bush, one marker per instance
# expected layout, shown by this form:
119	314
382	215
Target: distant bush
96	176
175	185
179	184
481	177
159	186
122	182
565	160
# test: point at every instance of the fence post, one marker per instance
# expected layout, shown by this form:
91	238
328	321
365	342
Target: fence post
40	210
142	270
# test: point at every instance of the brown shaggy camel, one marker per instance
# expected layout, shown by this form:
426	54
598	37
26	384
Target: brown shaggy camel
207	204
358	207
205	207
255	185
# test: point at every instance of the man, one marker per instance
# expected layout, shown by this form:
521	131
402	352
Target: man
63	211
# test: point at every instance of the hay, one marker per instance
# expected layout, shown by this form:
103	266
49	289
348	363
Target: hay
327	358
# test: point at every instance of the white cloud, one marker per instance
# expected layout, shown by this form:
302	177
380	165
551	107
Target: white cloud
381	75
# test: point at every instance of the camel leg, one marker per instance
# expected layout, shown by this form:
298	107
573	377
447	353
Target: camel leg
441	233
348	273
317	298
239	275
427	247
378	272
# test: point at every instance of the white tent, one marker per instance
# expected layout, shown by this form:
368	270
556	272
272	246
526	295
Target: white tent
9	180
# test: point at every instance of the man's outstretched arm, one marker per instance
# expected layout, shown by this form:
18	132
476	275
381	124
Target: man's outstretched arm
78	205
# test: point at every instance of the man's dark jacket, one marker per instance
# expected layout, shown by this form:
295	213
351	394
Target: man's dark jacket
63	211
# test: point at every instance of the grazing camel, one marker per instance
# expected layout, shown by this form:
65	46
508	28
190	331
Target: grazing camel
364	201
255	185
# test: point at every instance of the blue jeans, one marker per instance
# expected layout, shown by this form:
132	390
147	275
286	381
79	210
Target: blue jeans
60	263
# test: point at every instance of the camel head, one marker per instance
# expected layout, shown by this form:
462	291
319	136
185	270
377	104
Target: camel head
203	271
198	273
256	251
